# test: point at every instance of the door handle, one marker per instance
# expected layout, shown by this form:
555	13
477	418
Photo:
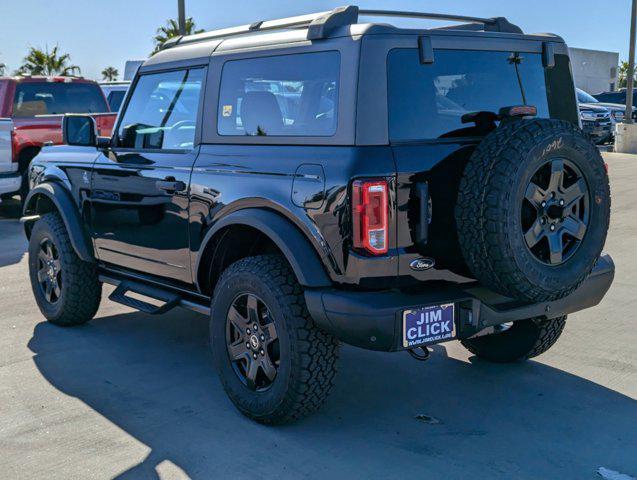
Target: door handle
171	185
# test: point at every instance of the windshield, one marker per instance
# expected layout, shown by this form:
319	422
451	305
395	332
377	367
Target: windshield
583	97
49	98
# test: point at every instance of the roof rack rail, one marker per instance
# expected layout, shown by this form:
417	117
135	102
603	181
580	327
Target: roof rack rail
495	24
320	25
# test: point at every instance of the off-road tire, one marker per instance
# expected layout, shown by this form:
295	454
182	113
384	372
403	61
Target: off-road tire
490	198
81	290
523	340
308	355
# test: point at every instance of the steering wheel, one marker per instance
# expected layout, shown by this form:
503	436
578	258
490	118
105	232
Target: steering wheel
183	124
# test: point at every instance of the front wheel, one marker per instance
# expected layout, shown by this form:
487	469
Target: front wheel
523	340
274	363
66	289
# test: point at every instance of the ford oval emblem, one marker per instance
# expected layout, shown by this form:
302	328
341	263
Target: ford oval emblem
421	264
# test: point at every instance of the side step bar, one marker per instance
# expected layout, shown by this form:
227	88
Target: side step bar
167	299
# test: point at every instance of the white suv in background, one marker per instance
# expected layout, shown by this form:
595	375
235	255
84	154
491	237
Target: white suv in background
10	178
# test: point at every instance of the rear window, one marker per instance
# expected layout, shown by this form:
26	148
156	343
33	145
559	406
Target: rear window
33	99
290	95
115	99
428	101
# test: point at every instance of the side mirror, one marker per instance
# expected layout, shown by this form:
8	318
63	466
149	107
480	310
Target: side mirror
79	130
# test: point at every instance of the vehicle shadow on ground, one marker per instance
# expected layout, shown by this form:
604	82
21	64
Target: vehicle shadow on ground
153	378
10	208
12	237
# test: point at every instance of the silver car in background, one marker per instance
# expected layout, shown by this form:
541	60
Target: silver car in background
617	110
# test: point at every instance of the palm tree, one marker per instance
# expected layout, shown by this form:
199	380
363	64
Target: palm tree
623	75
171	29
43	62
110	74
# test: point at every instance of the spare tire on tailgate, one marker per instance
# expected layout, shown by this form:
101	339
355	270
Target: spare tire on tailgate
533	209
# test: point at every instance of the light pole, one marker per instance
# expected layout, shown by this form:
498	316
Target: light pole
626	132
181	7
630	83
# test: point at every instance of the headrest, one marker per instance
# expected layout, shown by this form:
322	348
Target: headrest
31	109
261	114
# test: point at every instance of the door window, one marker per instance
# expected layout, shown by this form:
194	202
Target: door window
162	111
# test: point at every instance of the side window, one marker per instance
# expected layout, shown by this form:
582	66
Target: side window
287	95
162	111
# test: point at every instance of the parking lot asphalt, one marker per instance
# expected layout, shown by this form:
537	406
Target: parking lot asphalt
132	396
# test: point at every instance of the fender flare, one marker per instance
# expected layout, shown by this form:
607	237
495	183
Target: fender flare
297	249
67	209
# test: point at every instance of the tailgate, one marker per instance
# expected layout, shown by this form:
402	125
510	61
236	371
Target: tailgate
6	149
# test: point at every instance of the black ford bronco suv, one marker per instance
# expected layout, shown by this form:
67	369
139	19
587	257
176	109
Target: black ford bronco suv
314	179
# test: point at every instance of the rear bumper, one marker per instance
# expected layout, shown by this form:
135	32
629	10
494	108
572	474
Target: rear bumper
373	320
10	182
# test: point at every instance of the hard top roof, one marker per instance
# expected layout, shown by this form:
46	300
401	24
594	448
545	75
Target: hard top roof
340	22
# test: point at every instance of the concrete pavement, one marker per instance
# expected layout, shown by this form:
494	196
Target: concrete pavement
131	396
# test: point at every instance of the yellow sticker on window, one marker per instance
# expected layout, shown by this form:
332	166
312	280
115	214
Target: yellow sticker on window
227	110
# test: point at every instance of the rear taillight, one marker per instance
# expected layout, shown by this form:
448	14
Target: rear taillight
370	215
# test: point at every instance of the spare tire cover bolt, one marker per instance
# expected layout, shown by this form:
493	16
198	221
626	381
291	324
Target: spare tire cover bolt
543	204
542	220
562	202
262	352
248	331
552	227
254	355
256	327
262	338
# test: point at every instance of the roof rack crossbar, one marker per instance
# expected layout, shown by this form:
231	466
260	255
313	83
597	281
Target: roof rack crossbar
320	25
497	24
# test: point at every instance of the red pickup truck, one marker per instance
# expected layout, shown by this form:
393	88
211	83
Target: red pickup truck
31	110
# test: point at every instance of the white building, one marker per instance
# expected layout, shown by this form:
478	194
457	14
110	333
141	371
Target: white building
595	71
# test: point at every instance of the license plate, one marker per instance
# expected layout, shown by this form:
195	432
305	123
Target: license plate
432	324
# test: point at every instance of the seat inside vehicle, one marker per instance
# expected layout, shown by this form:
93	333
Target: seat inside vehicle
261	114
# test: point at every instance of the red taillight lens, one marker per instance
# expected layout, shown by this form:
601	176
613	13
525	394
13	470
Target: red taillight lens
370	215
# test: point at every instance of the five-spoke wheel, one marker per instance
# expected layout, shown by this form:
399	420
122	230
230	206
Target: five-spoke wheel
555	213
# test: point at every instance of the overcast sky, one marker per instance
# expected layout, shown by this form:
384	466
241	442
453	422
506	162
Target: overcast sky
108	32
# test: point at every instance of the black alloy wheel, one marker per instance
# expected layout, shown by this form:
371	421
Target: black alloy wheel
252	342
273	362
66	289
555	212
49	271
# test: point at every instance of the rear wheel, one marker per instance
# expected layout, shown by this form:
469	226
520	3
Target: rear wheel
66	289
520	341
274	363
